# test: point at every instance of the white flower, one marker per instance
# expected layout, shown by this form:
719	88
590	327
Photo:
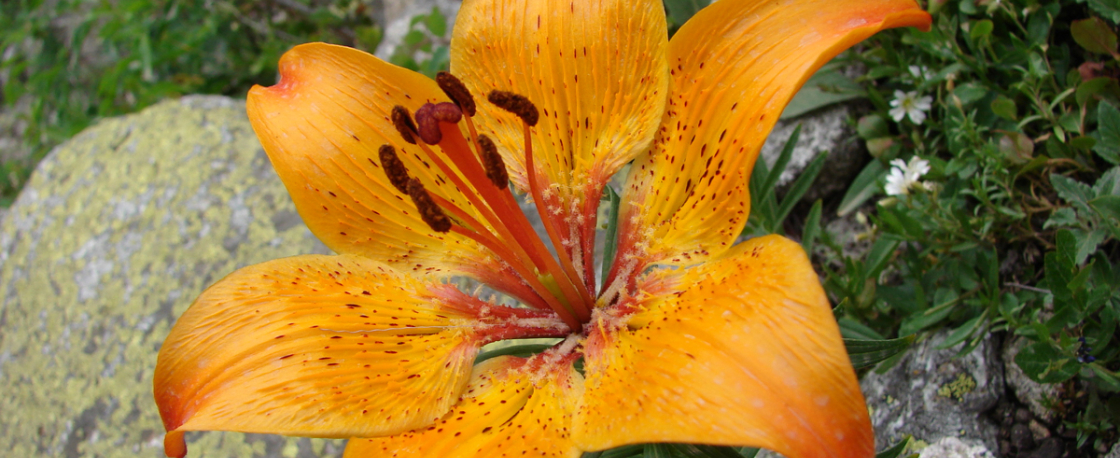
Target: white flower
909	104
920	72
904	176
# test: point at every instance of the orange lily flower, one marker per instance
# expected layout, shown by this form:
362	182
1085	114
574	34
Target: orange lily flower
689	338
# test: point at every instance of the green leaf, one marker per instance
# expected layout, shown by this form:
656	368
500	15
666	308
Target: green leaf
658	451
963	332
970	92
1088	244
626	451
863	187
800	187
1005	108
436	22
520	347
826	87
895	450
1075	192
704	451
852	329
1105	379
1064	216
1093	89
1108	184
1044	364
680	11
780	163
610	245
1107	206
866	353
1108	133
812	227
981	29
1110	9
1094	35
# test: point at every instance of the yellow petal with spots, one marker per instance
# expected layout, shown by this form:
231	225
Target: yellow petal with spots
322	125
741	351
734	67
512	407
596	71
327	346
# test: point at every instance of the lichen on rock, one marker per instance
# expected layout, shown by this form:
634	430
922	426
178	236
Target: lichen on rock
119	229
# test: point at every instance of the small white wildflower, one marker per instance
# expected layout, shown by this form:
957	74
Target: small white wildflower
919	71
909	104
904	176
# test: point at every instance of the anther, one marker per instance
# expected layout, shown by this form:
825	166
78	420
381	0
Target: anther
456	91
403	122
394	168
427	126
492	162
516	104
429	210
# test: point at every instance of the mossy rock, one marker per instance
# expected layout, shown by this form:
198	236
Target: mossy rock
117	232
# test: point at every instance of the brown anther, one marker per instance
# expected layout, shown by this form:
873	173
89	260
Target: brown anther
429	210
492	162
403	122
394	168
516	104
456	91
427	126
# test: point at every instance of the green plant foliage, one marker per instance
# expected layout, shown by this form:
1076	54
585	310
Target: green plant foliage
990	202
79	60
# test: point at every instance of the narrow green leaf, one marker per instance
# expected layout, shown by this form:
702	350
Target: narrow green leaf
780	163
895	449
523	348
800	187
863	187
680	11
626	451
610	245
866	353
827	87
812	227
704	451
658	451
963	332
852	329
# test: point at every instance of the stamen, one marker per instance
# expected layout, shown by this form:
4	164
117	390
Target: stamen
429	210
427	126
394	168
516	104
403	122
492	162
456	91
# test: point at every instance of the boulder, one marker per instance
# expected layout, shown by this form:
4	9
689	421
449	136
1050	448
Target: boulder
933	394
119	229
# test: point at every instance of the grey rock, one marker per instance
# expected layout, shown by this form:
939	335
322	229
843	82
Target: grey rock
931	395
1036	396
118	230
1115	452
398	13
824	131
952	447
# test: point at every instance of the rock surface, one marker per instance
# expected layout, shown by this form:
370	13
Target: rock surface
117	232
951	447
932	395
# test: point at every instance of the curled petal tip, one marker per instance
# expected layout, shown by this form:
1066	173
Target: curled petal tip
174	445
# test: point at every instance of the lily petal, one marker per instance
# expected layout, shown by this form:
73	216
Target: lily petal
597	72
735	65
330	346
511	406
322	125
741	351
